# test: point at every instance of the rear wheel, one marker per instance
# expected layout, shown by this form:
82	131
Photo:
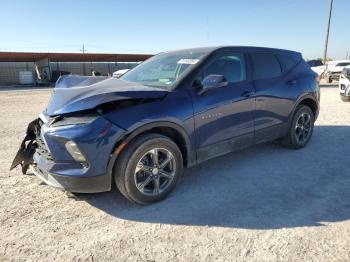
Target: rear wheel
345	98
328	78
301	128
148	168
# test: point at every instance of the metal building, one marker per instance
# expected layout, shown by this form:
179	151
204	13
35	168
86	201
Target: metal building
46	67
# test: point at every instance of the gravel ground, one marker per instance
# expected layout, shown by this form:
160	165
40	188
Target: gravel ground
261	204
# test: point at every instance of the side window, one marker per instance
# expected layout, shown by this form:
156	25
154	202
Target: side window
343	64
231	66
286	61
265	66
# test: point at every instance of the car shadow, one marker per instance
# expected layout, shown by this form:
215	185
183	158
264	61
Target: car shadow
264	187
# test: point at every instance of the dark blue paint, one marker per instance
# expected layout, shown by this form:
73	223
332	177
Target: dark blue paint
78	98
96	140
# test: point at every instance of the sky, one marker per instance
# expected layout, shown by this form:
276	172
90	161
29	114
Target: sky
153	26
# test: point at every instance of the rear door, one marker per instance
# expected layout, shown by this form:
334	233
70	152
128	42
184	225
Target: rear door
274	92
223	116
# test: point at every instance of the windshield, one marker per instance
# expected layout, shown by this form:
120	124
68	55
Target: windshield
346	72
164	69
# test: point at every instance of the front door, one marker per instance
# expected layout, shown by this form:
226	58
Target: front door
224	116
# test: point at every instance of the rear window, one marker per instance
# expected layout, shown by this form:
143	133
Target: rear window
287	62
265	66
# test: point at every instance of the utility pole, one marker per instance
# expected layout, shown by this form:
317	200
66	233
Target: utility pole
327	32
83	49
84	68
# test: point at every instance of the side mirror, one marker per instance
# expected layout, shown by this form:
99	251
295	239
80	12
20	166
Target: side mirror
211	82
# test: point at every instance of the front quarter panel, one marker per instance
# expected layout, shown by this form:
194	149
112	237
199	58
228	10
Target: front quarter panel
95	140
176	108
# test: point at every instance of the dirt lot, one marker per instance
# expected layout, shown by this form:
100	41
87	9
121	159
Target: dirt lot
264	203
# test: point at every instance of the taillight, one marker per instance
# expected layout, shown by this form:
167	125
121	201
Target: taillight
317	79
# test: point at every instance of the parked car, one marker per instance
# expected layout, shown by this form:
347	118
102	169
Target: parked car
317	66
334	68
175	110
120	72
344	84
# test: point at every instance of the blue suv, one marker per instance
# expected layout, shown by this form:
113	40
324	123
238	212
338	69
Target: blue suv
175	110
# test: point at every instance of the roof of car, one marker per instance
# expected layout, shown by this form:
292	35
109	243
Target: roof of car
247	48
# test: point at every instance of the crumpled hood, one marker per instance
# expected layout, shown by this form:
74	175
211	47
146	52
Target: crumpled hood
71	93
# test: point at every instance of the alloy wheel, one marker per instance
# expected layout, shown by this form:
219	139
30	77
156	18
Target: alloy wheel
155	171
303	128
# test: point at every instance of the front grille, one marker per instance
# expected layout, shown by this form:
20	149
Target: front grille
41	149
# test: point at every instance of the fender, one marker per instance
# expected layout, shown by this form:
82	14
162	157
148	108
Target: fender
298	101
191	155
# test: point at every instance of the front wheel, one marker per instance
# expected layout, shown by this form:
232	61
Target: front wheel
301	128
148	168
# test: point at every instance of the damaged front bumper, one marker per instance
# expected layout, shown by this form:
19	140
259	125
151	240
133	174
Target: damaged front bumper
74	184
24	156
44	148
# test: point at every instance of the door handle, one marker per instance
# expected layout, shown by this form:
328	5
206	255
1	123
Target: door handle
291	82
247	94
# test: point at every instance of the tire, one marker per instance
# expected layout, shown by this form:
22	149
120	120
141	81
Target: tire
345	98
137	175
327	79
299	128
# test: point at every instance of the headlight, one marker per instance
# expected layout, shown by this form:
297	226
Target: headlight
75	120
73	149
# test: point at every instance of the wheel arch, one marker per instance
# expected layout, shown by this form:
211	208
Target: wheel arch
307	100
169	129
310	102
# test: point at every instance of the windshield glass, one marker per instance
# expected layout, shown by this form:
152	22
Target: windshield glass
346	72
164	69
